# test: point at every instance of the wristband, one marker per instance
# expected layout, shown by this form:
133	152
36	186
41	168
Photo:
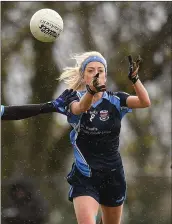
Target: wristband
134	79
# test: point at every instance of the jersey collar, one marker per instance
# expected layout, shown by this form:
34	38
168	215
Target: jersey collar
105	96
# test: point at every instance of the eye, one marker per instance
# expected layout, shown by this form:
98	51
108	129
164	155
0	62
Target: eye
100	71
90	71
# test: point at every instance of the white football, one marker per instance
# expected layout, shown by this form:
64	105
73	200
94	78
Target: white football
46	25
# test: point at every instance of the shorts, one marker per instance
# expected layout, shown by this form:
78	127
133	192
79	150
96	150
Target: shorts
106	187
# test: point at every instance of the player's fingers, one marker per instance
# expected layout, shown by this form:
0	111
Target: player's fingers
64	94
74	98
130	59
139	60
101	88
69	94
134	65
135	72
72	94
70	91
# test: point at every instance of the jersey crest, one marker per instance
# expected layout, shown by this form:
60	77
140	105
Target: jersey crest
104	115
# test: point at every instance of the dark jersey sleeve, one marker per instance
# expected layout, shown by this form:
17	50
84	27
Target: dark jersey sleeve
25	111
123	98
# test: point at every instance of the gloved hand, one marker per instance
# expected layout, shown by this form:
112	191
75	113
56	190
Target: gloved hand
64	100
94	87
133	69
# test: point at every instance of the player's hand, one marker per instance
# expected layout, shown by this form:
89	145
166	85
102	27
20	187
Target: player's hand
64	100
134	68
94	86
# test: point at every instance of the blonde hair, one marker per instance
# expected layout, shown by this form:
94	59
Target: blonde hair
72	76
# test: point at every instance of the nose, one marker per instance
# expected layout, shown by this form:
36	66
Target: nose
96	70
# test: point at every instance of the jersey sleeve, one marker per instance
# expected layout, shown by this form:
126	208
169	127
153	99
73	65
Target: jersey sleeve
124	109
123	98
73	119
118	99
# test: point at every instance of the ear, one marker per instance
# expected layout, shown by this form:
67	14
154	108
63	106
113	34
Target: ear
82	79
82	76
106	79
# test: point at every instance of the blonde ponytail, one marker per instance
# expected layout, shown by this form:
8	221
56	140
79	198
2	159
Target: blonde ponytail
72	76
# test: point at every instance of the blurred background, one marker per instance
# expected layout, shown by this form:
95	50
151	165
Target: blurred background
37	152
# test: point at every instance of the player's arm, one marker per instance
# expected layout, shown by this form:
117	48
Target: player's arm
142	99
25	111
85	102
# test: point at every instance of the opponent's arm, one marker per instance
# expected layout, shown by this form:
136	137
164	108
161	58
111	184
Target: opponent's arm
142	99
25	111
85	102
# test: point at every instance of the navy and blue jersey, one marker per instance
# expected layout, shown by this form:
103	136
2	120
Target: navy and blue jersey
95	134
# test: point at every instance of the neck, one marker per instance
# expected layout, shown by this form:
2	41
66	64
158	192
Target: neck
97	97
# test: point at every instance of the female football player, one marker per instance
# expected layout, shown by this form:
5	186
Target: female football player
97	175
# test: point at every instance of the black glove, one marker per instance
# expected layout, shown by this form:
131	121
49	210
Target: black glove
133	69
95	83
64	100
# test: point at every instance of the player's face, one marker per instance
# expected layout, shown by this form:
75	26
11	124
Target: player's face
92	69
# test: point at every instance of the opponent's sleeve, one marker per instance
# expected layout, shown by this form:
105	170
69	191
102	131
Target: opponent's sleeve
25	111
